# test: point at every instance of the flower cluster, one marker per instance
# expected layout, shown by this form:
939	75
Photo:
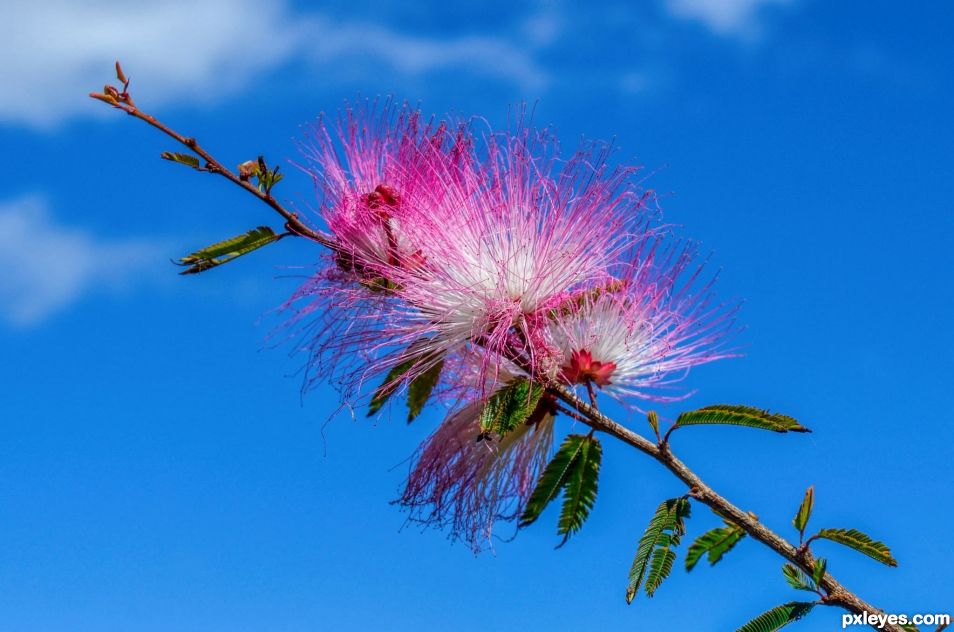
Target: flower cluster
460	246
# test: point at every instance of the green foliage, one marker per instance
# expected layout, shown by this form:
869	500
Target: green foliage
553	479
854	539
778	617
267	178
818	571
391	382
183	159
804	512
510	406
739	416
714	543
654	553
797	578
653	420
420	389
575	469
227	250
580	490
910	627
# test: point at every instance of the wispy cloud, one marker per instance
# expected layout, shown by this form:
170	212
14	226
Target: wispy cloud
735	18
331	42
186	48
46	266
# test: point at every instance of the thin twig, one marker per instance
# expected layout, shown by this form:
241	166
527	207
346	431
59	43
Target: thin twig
292	223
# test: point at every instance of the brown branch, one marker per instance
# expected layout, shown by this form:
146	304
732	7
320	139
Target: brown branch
837	594
122	101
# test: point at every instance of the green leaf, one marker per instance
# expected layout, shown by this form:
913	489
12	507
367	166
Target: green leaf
854	539
390	384
714	543
555	476
797	578
579	493
227	250
739	416
653	561
653	420
778	617
804	512
910	627
510	406
420	390
818	571
183	159
267	178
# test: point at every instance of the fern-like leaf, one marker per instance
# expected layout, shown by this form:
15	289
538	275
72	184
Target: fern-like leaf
419	391
778	617
391	382
797	578
579	493
663	533
227	250
739	416
800	521
714	543
554	477
510	406
183	159
659	569
854	539
818	571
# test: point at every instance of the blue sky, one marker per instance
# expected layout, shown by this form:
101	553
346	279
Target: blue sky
158	469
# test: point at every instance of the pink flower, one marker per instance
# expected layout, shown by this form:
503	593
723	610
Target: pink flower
467	480
368	166
509	231
641	334
466	242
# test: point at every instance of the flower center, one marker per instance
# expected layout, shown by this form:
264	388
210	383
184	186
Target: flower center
583	368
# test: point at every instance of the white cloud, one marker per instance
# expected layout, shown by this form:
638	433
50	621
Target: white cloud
44	266
724	17
330	42
56	51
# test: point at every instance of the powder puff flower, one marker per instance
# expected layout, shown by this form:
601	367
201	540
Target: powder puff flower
476	240
369	169
506	236
643	334
466	480
366	166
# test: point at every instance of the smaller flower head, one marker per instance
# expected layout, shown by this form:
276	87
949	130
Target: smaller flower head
639	335
467	479
368	166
